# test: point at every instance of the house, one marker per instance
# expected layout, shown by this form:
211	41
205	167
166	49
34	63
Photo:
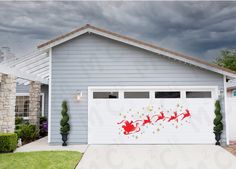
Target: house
124	91
231	88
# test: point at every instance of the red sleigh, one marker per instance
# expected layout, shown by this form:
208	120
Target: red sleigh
129	127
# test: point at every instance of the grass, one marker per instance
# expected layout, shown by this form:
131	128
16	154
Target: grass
40	160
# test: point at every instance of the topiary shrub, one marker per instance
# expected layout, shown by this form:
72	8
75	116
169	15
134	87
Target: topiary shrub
218	117
8	142
65	126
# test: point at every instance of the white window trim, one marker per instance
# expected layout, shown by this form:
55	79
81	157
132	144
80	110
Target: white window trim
42	114
27	94
152	89
233	93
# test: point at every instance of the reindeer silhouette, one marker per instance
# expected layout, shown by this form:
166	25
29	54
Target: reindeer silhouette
174	117
160	117
147	121
186	114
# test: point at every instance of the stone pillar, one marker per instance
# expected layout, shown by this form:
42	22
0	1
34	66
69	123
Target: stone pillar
7	103
34	102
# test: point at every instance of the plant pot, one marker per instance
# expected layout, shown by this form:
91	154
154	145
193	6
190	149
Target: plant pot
64	138
217	137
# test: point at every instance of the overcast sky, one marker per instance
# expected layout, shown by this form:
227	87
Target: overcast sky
200	29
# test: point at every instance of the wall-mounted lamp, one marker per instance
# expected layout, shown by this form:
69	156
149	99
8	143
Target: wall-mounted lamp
79	95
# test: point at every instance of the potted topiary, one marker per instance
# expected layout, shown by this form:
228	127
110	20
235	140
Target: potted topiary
65	126
217	122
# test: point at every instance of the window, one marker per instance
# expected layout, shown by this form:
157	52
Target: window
198	94
136	95
166	95
234	93
105	95
22	106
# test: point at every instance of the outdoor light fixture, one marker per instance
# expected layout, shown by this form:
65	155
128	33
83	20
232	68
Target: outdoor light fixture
79	95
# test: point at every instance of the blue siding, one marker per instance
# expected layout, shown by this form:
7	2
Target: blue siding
91	60
22	88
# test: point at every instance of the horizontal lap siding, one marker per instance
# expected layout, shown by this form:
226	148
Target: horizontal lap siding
91	60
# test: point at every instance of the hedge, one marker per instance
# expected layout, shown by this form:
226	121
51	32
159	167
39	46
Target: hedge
8	142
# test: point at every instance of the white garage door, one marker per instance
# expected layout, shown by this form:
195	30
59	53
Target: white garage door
151	115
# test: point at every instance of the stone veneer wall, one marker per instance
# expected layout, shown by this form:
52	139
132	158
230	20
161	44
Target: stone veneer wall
7	103
34	102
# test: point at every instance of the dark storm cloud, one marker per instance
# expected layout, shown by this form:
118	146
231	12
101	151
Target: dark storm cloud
197	28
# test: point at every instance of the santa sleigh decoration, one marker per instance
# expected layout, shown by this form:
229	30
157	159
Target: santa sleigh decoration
131	127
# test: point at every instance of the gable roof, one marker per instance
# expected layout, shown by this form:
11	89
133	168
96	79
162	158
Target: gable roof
140	44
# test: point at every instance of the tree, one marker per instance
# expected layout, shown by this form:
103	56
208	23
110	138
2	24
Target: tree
227	59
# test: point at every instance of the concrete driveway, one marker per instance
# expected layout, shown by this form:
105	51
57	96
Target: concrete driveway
157	157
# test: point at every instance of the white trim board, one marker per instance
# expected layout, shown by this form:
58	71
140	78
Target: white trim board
49	95
152	87
226	111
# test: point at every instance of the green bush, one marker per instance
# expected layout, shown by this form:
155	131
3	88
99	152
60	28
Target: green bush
19	120
65	126
8	142
28	133
218	117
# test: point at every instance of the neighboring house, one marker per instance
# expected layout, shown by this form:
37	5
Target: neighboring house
22	101
5	54
124	91
231	88
231	102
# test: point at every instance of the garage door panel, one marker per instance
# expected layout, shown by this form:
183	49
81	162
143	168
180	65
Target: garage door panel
150	120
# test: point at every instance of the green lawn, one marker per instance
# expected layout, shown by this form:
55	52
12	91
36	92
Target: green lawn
40	160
